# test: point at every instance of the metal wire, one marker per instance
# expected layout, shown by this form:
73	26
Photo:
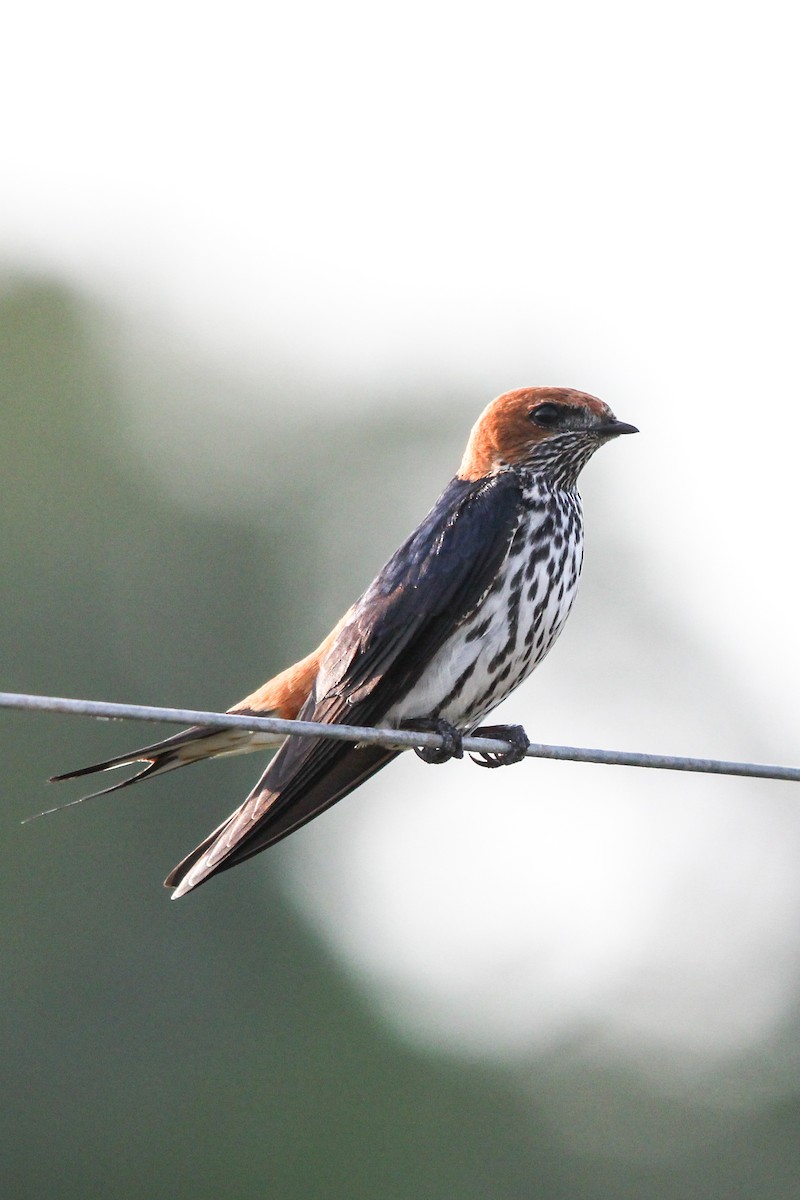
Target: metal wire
402	739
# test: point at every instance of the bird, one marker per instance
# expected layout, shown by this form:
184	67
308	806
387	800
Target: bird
458	617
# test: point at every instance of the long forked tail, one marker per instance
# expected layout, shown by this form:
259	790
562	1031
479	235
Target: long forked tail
282	696
191	745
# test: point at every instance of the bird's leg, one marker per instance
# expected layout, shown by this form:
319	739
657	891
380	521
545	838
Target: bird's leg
514	734
452	747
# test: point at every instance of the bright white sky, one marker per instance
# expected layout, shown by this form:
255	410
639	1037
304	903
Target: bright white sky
603	196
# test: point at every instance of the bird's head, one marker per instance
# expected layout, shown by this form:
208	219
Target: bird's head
554	429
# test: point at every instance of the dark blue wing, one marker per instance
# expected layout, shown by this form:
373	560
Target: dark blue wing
433	583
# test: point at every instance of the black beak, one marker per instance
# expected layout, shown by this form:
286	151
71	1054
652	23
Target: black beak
613	428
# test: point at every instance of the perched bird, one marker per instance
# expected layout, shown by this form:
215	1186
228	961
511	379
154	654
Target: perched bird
460	614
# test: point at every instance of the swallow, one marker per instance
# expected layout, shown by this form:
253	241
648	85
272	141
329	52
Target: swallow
458	617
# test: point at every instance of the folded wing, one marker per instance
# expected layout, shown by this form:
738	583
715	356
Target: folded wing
427	589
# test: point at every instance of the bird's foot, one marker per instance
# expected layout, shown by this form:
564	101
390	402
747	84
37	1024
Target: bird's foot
514	734
452	747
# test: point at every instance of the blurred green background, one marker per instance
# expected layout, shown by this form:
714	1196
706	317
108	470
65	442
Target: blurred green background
214	1047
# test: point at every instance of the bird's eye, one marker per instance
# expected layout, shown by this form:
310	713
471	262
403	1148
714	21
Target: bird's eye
546	415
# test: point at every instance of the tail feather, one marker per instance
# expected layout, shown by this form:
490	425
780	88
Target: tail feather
148	754
150	768
191	745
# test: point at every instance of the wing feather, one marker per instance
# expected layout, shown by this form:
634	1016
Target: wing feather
428	588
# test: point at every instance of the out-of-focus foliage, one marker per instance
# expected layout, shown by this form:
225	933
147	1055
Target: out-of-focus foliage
211	1048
